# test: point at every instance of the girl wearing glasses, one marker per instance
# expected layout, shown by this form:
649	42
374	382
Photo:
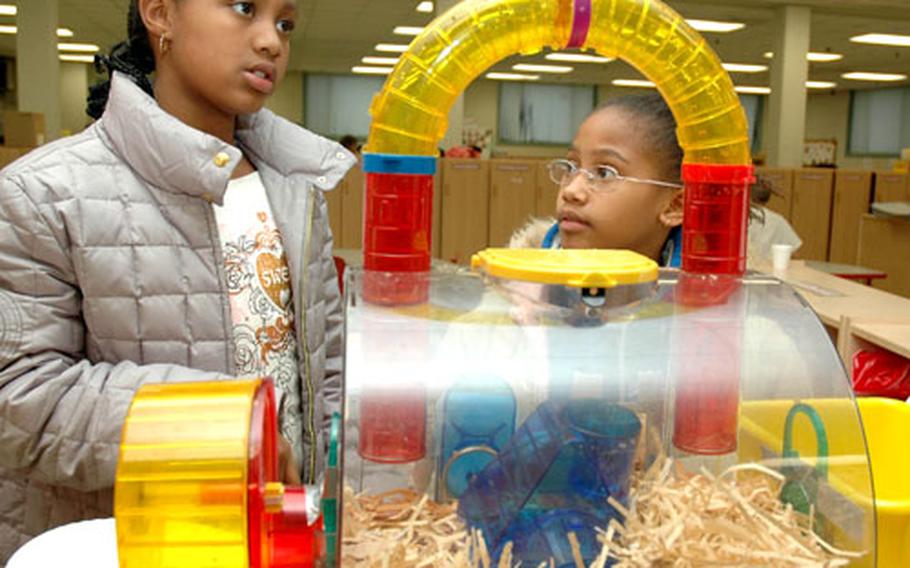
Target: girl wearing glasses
619	184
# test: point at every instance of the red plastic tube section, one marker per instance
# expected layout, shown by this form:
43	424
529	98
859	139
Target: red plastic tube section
706	402
398	215
713	262
393	425
716	216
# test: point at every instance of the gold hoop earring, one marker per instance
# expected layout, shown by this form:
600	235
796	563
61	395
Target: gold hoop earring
163	43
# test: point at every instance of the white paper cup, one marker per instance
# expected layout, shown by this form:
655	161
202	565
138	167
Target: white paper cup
780	257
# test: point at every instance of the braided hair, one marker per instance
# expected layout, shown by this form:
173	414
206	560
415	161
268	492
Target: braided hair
133	57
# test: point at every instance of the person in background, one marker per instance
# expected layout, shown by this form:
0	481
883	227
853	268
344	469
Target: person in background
351	143
619	184
181	237
766	227
463	151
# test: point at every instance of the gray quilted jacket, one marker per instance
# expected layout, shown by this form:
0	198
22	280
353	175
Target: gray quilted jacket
111	276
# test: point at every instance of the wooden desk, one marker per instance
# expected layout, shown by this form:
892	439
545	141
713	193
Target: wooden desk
848	271
884	243
856	316
894	337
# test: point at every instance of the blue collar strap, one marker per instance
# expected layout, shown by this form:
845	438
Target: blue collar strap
670	256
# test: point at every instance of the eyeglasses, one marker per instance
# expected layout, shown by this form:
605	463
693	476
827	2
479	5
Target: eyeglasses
601	178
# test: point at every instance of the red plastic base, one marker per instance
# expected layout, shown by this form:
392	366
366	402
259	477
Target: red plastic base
276	540
294	543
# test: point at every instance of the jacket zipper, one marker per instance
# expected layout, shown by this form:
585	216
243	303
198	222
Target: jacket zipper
310	457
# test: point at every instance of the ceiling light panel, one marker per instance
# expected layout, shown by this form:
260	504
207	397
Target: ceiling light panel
870	76
713	26
391	47
641	83
577	58
369	70
372	60
407	30
78	47
76	58
744	68
542	68
892	40
815	56
512	76
748	90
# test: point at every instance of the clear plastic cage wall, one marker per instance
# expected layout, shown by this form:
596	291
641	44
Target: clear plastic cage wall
533	410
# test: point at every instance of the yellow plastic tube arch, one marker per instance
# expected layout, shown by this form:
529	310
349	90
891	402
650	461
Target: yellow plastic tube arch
410	117
410	114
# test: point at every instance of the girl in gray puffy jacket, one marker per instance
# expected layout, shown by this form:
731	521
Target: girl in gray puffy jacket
182	237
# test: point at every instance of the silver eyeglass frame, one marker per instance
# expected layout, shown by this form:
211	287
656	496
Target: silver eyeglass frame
594	181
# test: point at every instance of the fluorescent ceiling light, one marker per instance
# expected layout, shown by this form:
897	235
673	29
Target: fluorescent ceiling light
633	83
746	90
578	58
367	70
512	76
77	58
823	57
78	47
866	76
371	60
12	30
7	10
744	68
542	68
391	47
883	39
425	7
714	26
407	30
814	56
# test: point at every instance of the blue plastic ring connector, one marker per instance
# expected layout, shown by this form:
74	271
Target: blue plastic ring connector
398	164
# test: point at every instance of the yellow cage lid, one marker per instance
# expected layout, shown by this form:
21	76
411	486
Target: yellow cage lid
579	268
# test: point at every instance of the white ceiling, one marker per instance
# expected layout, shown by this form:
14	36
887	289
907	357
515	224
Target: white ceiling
334	34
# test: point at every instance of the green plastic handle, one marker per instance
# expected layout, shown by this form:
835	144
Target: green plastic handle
821	436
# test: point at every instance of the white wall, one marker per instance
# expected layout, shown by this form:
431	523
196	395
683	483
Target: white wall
482	108
827	116
73	94
287	100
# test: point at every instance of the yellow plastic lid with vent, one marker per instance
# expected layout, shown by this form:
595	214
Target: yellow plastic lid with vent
579	268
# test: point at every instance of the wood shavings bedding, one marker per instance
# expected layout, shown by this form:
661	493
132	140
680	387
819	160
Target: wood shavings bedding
679	519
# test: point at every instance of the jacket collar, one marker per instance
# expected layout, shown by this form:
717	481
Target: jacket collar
670	255
174	156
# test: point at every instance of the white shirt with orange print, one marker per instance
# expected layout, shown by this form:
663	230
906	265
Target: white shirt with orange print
262	308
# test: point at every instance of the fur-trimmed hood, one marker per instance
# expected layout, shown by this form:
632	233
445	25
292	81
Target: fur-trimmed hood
531	235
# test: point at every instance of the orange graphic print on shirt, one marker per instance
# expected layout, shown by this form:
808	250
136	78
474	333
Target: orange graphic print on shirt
260	293
260	289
